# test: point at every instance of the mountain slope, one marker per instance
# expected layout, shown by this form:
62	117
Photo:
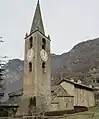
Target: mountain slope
82	62
14	75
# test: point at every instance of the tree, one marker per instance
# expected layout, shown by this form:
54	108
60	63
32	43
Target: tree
1	81
2	87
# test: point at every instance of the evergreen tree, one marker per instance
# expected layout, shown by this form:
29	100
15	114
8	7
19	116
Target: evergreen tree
1	81
1	77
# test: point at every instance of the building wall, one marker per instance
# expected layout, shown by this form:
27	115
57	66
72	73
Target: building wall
37	82
54	107
66	103
62	103
82	96
68	87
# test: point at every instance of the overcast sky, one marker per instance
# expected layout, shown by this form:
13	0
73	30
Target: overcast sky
67	21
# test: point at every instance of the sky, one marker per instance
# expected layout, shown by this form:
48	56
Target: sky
68	22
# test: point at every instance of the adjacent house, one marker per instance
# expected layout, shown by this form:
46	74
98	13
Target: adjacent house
68	94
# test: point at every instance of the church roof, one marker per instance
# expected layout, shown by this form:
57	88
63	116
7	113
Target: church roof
53	88
59	92
77	85
37	20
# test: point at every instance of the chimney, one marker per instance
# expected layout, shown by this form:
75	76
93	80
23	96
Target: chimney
72	80
90	86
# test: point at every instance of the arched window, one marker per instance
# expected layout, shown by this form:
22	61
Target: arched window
33	101
43	43
30	66
43	65
30	42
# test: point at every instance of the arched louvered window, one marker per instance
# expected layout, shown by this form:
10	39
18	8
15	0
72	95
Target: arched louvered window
43	65
43	43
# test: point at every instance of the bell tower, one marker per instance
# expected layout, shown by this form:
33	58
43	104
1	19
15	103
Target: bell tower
37	67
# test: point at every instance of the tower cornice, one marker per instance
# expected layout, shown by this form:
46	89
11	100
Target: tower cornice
35	32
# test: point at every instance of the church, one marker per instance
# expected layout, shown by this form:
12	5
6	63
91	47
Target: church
38	96
37	66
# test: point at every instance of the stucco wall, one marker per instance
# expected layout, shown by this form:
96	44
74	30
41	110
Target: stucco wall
68	87
82	96
63	103
54	107
38	81
66	103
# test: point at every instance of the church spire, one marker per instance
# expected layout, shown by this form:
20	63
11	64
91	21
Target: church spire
37	21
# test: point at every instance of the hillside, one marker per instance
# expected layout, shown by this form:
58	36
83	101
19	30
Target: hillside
81	62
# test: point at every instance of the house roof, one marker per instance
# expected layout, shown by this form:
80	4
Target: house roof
53	88
17	93
9	105
77	85
59	92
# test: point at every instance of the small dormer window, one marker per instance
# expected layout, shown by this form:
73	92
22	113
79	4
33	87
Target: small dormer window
30	42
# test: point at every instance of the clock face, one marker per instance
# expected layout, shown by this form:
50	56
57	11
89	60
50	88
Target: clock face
44	55
30	55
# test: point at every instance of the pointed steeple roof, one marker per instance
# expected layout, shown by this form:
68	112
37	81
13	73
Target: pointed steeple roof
37	21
